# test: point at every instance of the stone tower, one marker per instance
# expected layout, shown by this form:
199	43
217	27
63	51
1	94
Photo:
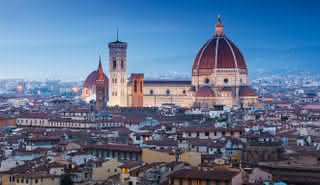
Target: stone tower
137	88
118	73
101	89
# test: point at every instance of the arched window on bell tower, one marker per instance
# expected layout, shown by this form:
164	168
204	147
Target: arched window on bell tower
141	90
135	86
122	64
114	64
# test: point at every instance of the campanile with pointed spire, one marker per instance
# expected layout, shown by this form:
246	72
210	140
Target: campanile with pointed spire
101	90
118	73
100	70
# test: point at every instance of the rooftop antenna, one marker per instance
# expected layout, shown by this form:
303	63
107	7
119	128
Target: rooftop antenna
117	34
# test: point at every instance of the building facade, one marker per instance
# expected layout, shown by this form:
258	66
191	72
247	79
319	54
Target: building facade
120	152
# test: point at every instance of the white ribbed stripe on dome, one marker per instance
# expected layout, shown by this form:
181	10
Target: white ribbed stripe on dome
203	51
234	56
216	57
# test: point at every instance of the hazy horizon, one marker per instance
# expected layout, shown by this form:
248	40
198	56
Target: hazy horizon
63	39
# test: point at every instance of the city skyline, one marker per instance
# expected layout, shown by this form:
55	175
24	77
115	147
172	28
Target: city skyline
167	92
64	40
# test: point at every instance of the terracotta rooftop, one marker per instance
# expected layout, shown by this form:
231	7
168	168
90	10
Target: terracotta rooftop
168	82
210	129
131	164
114	147
43	138
204	91
165	142
34	115
246	91
218	175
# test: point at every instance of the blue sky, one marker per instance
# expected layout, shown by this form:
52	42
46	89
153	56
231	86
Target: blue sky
61	39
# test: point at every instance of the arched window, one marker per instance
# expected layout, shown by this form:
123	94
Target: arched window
226	80
168	92
151	92
114	64
122	64
135	86
141	87
206	81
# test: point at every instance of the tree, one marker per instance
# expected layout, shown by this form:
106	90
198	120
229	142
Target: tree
66	179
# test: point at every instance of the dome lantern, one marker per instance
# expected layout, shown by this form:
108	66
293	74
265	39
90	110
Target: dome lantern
218	53
219	28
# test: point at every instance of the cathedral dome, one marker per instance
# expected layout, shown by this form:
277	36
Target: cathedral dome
91	79
218	53
90	84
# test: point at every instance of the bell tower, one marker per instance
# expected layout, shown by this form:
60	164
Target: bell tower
137	88
118	73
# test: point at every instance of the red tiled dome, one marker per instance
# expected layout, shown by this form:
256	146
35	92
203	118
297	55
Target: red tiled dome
205	91
218	52
91	80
